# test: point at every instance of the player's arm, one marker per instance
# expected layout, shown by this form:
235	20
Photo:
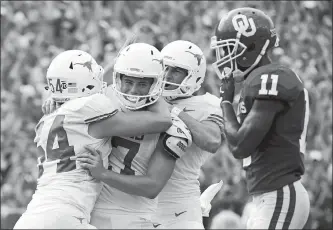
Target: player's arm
205	134
171	146
130	124
160	168
156	119
244	139
109	67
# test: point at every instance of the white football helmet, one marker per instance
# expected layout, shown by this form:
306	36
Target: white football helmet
186	55
73	74
142	61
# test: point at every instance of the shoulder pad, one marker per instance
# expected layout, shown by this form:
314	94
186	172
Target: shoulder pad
179	129
212	100
93	108
177	138
273	82
175	146
213	108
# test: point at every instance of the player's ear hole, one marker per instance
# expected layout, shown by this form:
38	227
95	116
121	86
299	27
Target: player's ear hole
90	87
251	47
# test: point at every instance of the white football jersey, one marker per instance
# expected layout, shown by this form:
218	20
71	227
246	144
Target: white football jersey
184	183
62	135
129	155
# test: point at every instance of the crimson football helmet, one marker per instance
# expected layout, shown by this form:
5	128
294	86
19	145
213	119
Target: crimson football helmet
242	37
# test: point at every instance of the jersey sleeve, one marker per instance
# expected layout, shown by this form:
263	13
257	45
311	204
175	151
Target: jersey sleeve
214	111
97	107
38	130
278	84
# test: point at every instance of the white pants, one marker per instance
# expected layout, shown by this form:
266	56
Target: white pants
107	220
52	220
184	215
285	208
186	224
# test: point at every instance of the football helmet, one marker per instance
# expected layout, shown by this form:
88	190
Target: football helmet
73	74
139	60
241	39
188	56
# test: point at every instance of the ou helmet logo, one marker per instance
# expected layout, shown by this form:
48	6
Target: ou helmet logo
241	24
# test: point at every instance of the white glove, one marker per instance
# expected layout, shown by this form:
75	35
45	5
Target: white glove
207	196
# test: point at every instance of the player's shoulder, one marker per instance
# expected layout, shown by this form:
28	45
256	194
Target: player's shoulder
89	108
206	101
284	76
273	81
210	103
96	101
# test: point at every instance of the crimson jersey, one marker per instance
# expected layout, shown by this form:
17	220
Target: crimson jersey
278	160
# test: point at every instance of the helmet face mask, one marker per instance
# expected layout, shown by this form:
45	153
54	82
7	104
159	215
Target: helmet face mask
181	89
227	51
134	102
189	57
73	74
138	60
246	34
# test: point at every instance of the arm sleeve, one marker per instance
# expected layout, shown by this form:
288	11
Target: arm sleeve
97	107
214	111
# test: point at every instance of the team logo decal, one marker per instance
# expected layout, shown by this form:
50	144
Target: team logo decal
197	56
86	64
158	60
242	24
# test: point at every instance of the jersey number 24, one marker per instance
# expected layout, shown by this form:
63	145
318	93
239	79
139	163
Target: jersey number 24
65	151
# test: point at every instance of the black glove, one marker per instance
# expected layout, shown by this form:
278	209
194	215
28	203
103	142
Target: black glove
227	89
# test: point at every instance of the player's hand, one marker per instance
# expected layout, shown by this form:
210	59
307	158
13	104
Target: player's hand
92	161
130	40
227	89
49	106
160	106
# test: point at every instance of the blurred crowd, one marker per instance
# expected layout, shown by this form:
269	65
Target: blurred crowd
33	32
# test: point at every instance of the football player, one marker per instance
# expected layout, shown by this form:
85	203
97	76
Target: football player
185	68
136	172
66	192
273	113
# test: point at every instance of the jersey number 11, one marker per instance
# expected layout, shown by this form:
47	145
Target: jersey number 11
273	90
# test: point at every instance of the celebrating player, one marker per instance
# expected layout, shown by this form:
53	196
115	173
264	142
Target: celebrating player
273	112
185	68
137	172
66	193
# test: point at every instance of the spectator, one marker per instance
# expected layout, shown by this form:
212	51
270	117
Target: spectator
33	32
227	219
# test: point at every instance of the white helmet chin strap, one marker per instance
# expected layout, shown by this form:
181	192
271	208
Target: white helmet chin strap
183	90
170	98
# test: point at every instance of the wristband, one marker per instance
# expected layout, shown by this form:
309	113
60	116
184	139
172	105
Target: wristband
176	111
226	102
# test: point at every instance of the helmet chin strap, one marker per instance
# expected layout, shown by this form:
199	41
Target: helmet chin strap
170	98
238	75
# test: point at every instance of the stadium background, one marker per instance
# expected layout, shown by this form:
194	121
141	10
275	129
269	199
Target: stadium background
34	32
